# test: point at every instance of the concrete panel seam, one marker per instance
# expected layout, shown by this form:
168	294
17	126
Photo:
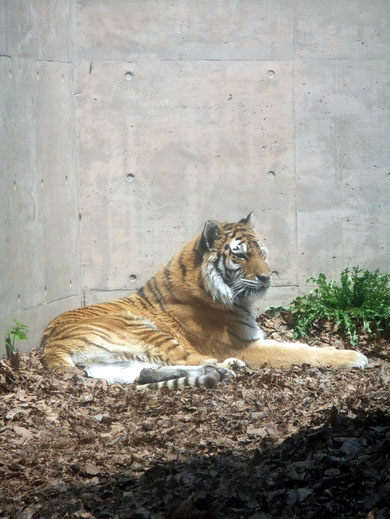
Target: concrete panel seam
294	129
128	290
341	58
39	305
54	61
285	286
131	290
172	60
235	60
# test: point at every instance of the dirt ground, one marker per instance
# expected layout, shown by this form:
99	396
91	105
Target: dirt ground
302	443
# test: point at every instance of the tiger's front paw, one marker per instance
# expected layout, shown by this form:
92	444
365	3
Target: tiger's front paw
345	358
354	359
232	364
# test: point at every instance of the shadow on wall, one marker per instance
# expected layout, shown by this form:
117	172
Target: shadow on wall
337	470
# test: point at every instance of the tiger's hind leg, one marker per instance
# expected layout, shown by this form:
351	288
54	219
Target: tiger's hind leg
95	344
123	372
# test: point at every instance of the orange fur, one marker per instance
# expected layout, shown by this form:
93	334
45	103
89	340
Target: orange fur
196	310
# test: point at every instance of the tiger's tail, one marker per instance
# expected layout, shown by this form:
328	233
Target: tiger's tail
209	379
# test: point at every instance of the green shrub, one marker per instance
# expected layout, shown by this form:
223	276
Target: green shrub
17	332
362	298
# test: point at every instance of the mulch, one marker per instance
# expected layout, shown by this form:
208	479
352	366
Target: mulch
302	443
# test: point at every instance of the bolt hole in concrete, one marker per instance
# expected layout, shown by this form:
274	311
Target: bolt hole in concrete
132	277
128	76
271	174
271	74
130	177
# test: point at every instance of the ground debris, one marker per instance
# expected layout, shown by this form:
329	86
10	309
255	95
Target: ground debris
305	443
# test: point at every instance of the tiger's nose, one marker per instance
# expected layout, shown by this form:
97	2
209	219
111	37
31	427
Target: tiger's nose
263	278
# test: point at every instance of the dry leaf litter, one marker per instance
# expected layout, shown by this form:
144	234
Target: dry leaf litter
303	443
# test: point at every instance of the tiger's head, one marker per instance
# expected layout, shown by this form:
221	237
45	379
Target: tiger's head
234	266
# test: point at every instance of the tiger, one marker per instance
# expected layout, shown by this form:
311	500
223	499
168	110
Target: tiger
192	324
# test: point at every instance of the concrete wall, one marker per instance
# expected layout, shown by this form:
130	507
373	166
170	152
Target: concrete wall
127	123
39	230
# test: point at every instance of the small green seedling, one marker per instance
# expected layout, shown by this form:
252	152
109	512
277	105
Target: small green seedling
17	332
361	298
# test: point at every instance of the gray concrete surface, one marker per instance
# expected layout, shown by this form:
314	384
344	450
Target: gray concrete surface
125	124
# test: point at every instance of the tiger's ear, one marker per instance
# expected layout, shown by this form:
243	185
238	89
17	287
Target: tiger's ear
209	234
250	220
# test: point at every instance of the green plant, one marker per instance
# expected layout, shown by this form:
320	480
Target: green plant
17	332
362	298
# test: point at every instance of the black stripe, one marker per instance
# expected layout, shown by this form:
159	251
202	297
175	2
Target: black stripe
233	271
155	293
159	341
183	268
141	293
227	270
224	261
144	305
87	341
182	264
198	253
167	275
161	298
144	335
106	336
169	285
151	290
